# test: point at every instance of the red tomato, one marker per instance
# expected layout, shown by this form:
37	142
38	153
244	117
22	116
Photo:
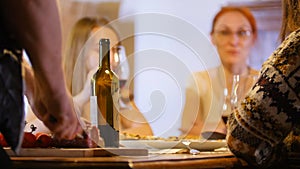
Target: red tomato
28	140
3	142
43	140
39	133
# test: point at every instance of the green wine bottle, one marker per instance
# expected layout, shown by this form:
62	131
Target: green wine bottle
105	86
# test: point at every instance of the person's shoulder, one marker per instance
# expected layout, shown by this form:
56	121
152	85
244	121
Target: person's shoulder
207	72
202	77
292	42
295	33
253	71
286	50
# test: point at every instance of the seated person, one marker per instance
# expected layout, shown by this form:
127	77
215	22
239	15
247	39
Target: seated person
81	61
233	33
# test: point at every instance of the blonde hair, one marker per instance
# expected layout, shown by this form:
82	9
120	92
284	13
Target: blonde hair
74	53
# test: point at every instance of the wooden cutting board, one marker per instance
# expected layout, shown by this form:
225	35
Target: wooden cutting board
78	152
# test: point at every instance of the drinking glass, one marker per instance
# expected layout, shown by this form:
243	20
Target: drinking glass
226	105
241	85
120	65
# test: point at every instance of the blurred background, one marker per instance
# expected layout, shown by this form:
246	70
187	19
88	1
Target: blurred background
165	41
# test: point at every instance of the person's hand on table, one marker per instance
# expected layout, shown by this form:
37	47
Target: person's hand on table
57	114
56	110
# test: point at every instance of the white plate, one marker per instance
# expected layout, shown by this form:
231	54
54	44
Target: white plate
135	143
152	144
208	144
162	144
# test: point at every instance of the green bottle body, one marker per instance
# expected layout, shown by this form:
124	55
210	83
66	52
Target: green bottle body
105	86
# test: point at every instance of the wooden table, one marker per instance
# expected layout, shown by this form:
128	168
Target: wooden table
181	161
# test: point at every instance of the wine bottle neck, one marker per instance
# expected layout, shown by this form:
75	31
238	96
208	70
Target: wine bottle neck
104	53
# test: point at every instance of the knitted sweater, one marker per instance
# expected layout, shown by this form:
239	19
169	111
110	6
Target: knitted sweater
258	127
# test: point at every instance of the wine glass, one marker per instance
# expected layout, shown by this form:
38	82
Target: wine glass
241	85
226	105
120	65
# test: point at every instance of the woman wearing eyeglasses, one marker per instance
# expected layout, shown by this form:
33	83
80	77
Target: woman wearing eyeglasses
233	34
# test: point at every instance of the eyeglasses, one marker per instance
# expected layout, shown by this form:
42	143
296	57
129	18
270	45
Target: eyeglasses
241	34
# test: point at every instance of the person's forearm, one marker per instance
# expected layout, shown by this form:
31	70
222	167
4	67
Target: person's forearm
42	37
